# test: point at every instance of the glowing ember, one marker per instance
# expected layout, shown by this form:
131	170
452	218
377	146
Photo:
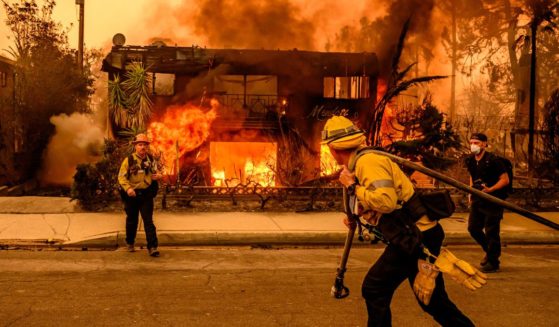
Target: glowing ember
233	163
328	164
181	130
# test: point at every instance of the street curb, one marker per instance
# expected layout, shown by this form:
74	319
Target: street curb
530	237
114	240
201	238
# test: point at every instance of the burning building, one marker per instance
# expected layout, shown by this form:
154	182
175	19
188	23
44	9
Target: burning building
228	116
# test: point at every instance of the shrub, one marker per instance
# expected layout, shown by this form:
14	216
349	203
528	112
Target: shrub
96	185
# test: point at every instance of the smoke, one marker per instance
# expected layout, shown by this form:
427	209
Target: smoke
77	140
381	34
363	25
421	27
356	26
255	24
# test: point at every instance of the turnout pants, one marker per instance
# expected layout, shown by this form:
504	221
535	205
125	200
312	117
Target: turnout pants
484	225
133	206
391	269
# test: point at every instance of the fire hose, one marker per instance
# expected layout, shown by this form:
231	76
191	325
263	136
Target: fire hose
339	290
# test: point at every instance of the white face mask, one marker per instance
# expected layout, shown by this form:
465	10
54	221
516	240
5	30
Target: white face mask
475	149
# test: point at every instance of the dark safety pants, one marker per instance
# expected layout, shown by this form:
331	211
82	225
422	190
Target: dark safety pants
391	269
484	225
133	206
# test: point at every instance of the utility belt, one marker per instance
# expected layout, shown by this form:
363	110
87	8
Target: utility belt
149	192
142	192
398	227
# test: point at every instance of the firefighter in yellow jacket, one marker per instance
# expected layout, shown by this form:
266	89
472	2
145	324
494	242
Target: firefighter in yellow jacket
380	191
138	183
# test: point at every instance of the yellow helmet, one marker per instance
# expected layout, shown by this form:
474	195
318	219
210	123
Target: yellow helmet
341	133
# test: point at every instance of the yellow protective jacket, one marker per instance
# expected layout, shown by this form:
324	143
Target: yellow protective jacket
383	186
140	173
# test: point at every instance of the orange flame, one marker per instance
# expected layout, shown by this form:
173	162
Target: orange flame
328	164
182	129
233	163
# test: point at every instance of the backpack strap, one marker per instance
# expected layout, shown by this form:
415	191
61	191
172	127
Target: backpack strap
131	161
360	152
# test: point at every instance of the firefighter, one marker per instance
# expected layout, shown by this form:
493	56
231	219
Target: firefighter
380	191
138	178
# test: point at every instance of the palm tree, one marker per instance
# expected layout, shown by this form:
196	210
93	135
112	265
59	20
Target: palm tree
129	99
137	86
117	102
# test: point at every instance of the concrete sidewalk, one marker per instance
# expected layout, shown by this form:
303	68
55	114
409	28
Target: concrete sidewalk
56	222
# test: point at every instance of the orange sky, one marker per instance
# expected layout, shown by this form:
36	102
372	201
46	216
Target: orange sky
140	20
103	19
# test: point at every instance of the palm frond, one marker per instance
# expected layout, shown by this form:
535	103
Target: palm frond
374	130
400	48
137	86
117	102
402	74
403	86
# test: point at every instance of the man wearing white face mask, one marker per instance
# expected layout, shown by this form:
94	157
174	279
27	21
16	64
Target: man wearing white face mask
487	174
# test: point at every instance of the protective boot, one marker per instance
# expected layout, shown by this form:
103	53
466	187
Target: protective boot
153	252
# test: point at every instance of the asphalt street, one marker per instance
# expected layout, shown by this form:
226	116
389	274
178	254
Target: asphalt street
243	286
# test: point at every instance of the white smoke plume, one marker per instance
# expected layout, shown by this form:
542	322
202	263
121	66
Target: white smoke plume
77	140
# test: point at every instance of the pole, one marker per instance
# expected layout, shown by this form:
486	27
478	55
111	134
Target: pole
507	205
532	103
81	3
452	109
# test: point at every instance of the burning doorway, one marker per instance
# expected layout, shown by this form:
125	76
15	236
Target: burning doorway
234	163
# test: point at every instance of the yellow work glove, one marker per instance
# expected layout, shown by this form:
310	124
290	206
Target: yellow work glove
424	282
460	271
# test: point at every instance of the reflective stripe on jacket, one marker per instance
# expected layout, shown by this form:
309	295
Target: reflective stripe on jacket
382	185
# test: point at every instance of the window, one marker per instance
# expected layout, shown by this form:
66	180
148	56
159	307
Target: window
351	87
246	84
256	95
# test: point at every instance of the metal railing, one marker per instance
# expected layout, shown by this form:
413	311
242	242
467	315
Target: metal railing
253	104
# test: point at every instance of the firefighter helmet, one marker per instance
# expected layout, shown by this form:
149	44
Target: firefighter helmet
341	130
141	138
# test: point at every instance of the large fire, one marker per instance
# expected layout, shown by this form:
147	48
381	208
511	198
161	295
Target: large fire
182	129
328	164
234	163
